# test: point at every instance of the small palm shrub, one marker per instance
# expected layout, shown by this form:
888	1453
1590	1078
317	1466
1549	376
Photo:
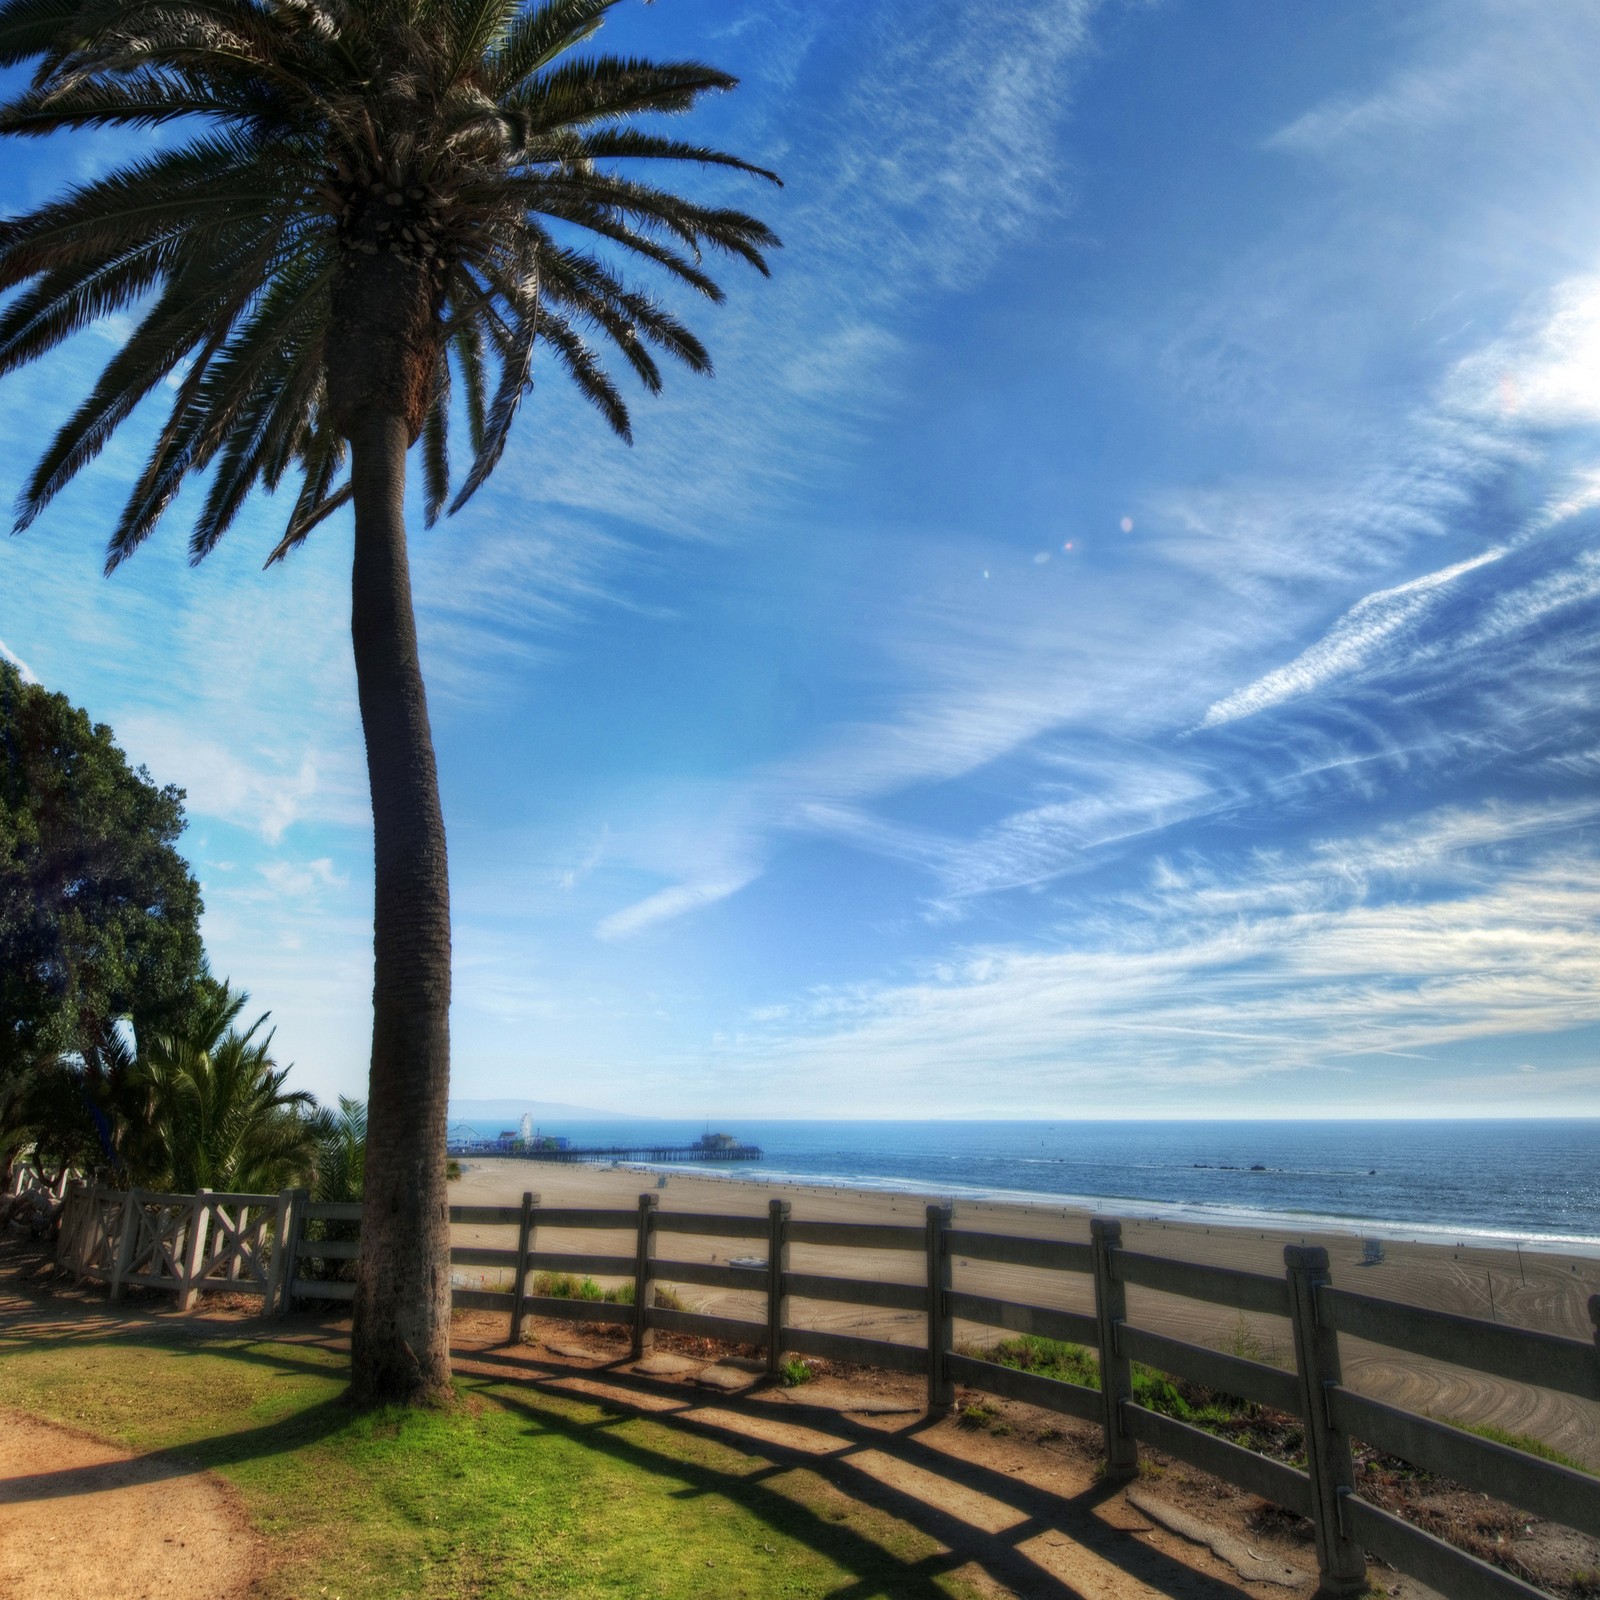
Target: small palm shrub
338	1177
213	1112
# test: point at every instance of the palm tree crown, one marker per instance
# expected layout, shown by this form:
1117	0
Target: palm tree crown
450	146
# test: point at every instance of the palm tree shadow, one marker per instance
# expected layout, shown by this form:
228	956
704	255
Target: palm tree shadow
301	1428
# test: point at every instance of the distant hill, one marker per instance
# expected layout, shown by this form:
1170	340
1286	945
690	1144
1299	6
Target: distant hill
539	1110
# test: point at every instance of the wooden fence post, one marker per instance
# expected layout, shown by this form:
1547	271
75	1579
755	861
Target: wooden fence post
280	1243
520	1286
125	1242
94	1247
299	1199
1116	1371
643	1289
194	1250
941	1391
69	1253
71	1229
1316	1358
777	1266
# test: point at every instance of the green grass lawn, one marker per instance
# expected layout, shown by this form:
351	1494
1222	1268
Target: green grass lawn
514	1491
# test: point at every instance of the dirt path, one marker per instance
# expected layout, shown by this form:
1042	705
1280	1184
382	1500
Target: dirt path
83	1520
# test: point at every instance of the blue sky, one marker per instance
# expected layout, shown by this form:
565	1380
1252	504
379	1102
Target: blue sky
1117	635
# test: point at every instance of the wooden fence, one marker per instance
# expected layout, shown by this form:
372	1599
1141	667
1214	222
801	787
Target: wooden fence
181	1243
193	1243
26	1178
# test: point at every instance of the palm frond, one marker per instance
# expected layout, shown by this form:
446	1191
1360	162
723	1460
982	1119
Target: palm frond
467	345
571	195
59	304
607	88
514	342
261	434
195	194
179	324
145	98
436	446
587	285
475	28
35	28
633	144
592	380
228	391
540	35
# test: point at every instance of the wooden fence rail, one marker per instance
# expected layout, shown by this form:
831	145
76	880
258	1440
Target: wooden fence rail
263	1244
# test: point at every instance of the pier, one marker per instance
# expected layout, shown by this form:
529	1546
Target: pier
710	1147
648	1153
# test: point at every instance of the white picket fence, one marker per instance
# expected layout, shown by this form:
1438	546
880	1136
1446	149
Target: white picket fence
28	1179
182	1243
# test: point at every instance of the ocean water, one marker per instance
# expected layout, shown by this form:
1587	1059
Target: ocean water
1537	1182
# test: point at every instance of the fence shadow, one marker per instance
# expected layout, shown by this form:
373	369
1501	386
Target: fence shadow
764	1476
922	1497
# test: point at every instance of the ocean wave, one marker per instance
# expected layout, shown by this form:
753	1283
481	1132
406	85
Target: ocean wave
1215	1214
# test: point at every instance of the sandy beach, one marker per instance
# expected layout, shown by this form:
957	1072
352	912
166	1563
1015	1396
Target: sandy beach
1542	1290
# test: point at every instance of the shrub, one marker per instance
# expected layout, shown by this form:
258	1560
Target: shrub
794	1372
1520	1441
664	1299
568	1286
1246	1344
564	1286
1072	1363
1049	1358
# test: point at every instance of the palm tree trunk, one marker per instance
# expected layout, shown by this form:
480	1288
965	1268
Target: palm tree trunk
400	1344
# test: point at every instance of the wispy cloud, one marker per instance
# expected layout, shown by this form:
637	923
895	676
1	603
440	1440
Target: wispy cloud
1367	628
1116	680
1461	57
666	904
1425	97
302	879
1226	973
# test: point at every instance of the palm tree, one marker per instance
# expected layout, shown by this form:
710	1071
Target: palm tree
384	199
202	1106
341	1151
216	1114
340	1177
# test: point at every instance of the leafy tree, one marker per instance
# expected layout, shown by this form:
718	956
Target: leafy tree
384	199
99	914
